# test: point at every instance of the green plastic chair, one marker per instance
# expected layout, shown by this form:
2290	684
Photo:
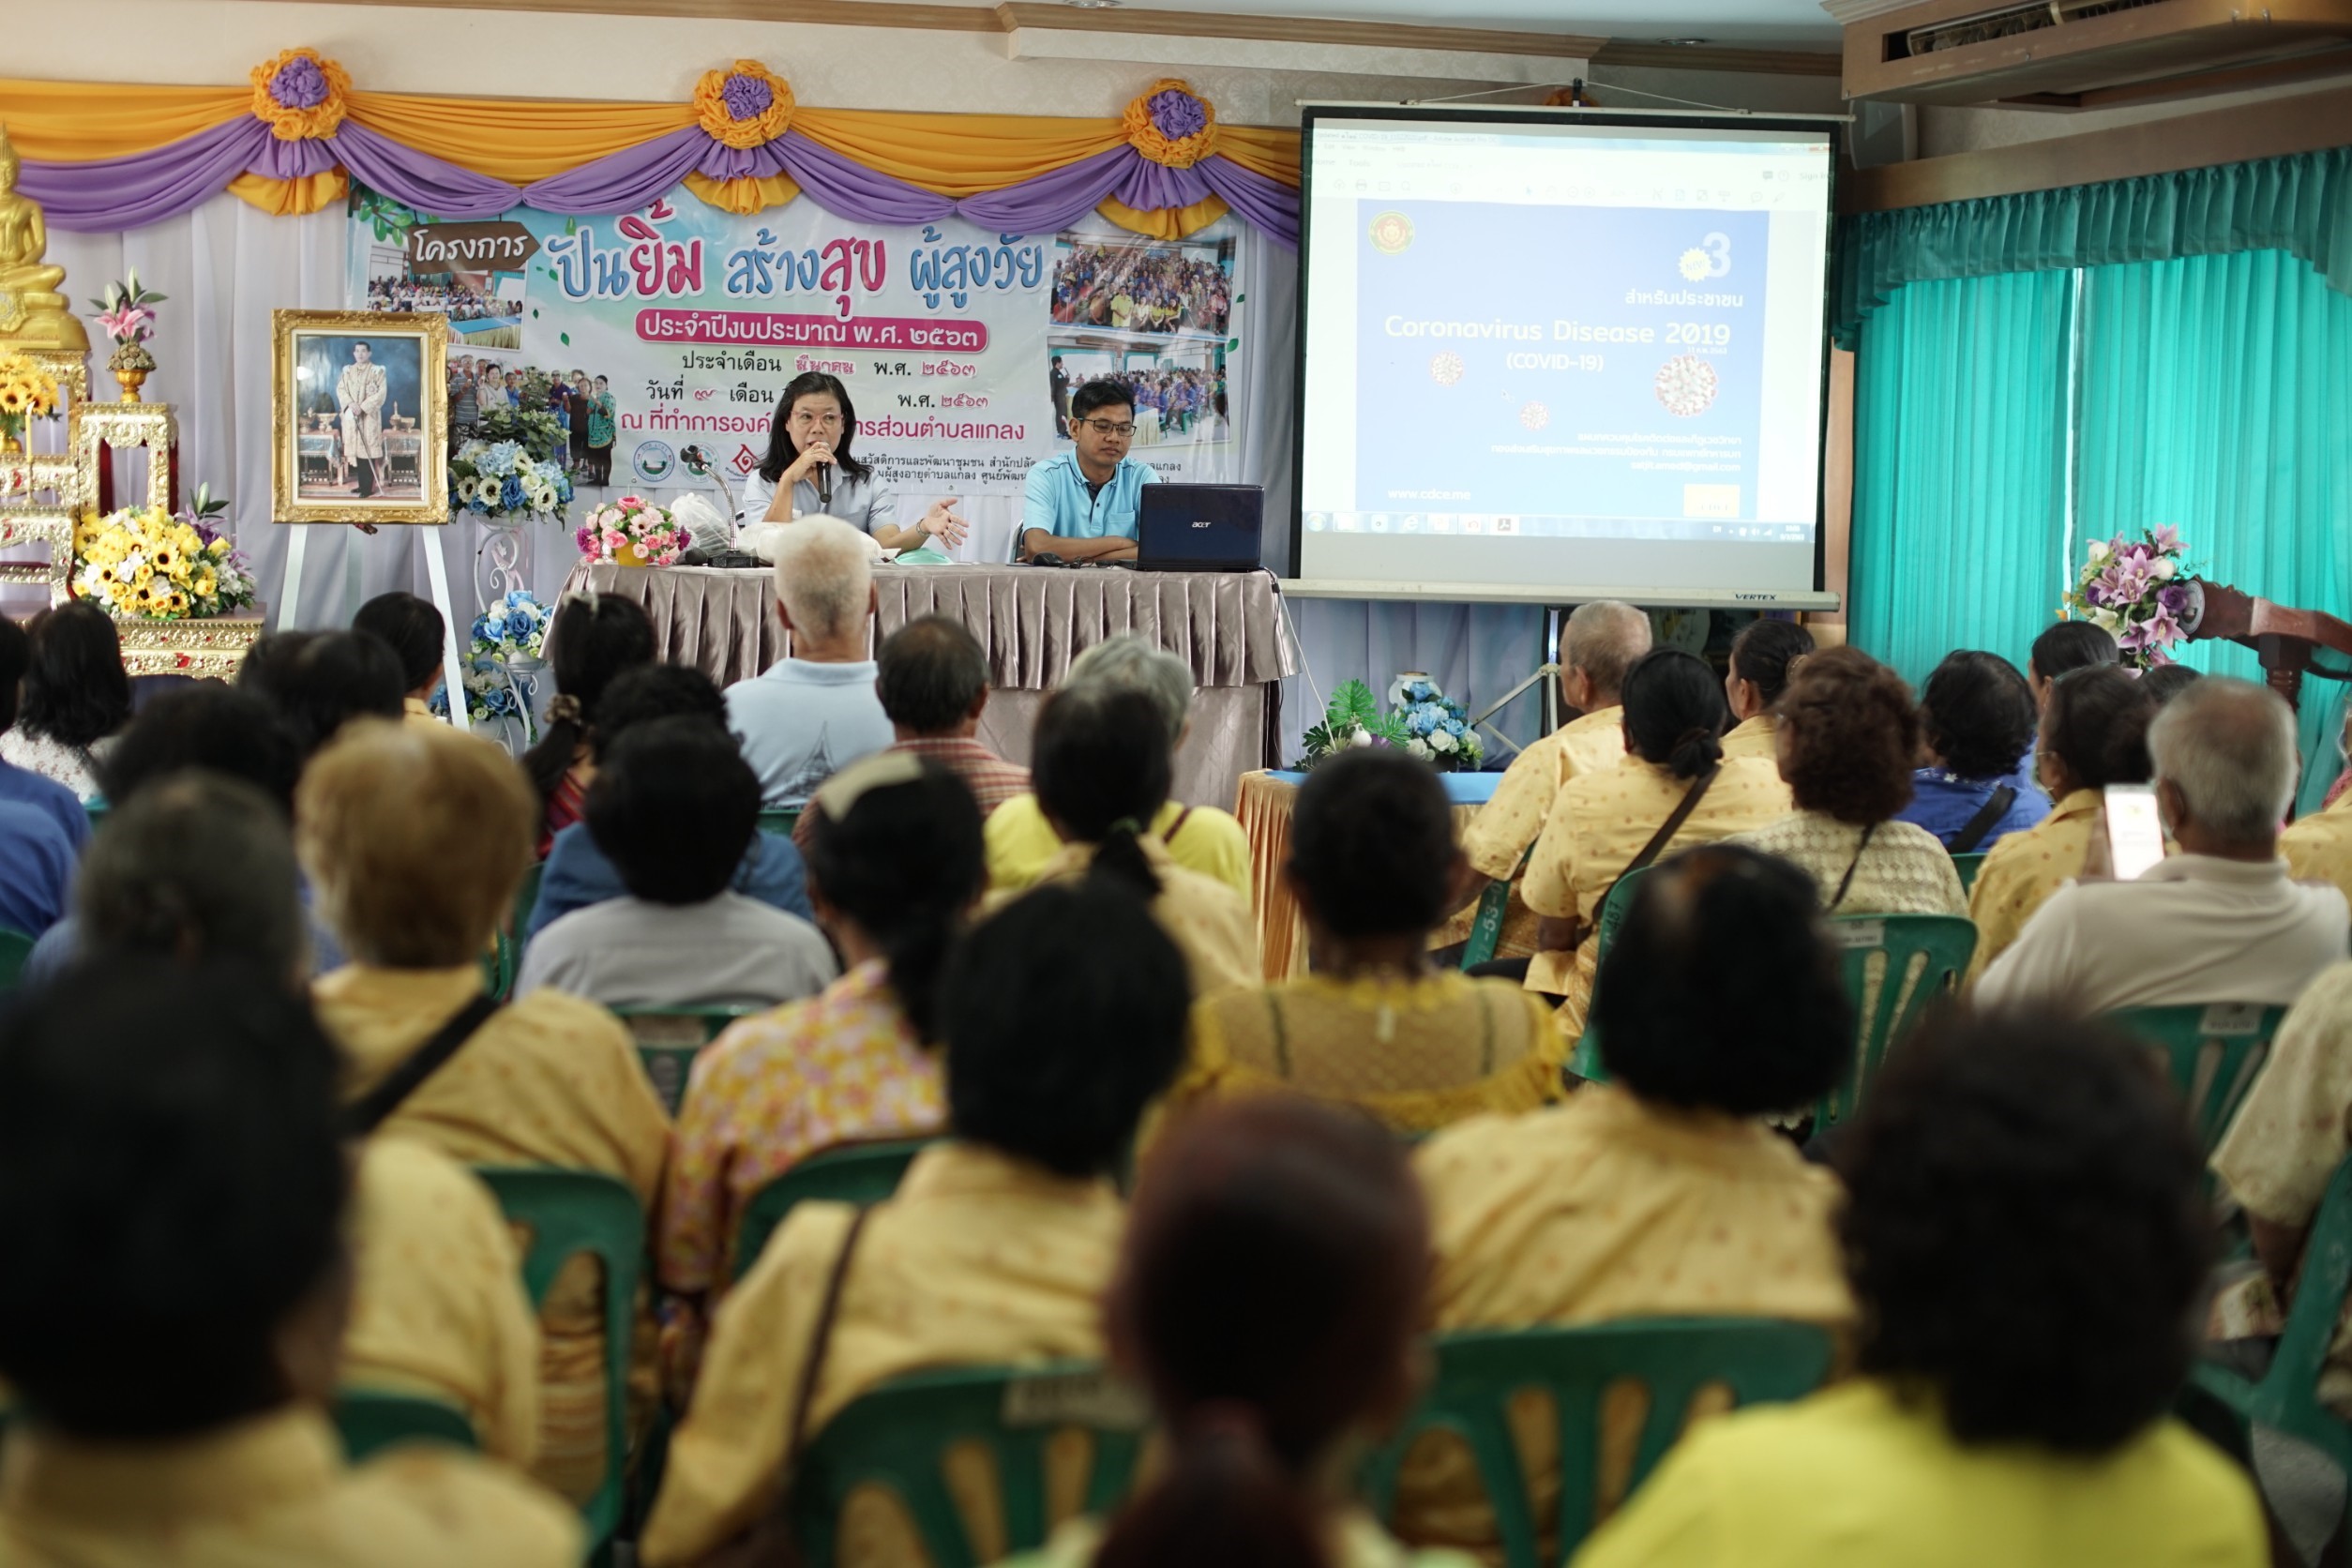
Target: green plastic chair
846	1173
1485	933
1757	1359
669	1038
2213	1051
370	1419
499	965
1585	1061
781	820
569	1212
15	948
527	900
1969	866
898	1437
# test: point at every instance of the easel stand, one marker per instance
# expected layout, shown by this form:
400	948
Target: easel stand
436	575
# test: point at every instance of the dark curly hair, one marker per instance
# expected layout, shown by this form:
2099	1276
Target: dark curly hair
1978	714
1372	844
1675	712
2026	1231
1762	653
2095	725
76	690
1852	737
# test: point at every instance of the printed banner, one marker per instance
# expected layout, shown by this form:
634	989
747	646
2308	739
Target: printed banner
679	326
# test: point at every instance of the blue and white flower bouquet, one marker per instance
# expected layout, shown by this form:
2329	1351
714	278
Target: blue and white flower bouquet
500	669
501	480
1437	728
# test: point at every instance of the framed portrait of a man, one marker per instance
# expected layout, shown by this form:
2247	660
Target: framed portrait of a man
359	417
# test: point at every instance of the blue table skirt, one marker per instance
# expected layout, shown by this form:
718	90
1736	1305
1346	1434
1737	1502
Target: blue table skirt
1462	789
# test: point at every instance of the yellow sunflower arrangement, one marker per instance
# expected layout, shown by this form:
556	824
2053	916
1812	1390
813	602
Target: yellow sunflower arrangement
25	391
143	562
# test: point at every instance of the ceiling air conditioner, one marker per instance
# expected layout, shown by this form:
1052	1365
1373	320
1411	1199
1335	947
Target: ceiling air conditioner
2086	54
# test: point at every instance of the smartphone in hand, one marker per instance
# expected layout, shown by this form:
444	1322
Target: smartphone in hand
2135	833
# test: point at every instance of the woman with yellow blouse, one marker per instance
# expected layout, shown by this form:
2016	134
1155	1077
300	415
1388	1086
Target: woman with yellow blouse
1376	1024
1764	656
2094	734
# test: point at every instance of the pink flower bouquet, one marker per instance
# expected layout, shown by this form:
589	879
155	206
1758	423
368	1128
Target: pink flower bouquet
2137	590
632	532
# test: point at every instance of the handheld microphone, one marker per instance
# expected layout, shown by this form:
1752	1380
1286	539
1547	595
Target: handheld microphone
824	488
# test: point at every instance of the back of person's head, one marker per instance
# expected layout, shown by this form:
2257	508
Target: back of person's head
1064	1017
824	577
320	681
593	639
1675	712
2025	1230
76	690
2095	723
411	629
930	675
1721	991
1977	715
651	692
895	844
16	656
2071	645
2168	681
2229	747
195	864
1763	653
1274	1273
674	807
415	837
205	725
172	1185
1131	663
1101	767
1372	848
1850	737
1603	639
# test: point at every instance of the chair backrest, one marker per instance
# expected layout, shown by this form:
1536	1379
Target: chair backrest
569	1212
1485	933
15	948
846	1173
781	821
1677	1360
369	1419
1585	1061
499	965
898	1437
669	1039
1968	864
2212	1051
1895	965
527	900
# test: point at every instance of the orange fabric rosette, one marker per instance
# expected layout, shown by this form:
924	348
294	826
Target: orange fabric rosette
301	95
717	107
1170	105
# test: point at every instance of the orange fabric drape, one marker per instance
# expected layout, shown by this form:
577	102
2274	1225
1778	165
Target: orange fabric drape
516	140
1167	222
75	122
292	198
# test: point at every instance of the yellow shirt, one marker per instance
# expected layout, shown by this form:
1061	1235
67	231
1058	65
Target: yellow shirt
272	1492
1210	922
414	711
1358	1541
1600	823
1851	1478
2023	870
1021	843
549	1079
1418	1053
1754	737
2319	846
979	1260
1499	837
437	1305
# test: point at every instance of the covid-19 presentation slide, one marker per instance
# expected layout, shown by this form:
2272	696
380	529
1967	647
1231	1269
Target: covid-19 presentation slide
1586	355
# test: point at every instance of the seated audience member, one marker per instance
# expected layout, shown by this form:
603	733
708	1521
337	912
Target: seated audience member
578	874
1269	1294
1602	640
1081	504
1764	656
674	806
172	1190
22	786
76	695
2220	921
1977	715
1674	720
317	682
2094	734
814	712
2065	647
2026	1241
1377	1025
1661	1193
593	639
2318	847
1101	765
895	869
1199	838
36	870
415	633
415	837
1065	1017
2168	681
1847	737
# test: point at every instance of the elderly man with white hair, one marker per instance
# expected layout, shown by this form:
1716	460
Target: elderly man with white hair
810	714
2219	921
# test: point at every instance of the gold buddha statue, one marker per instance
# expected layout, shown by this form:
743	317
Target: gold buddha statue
32	314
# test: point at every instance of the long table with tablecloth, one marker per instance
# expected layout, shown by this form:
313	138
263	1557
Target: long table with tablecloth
1032	621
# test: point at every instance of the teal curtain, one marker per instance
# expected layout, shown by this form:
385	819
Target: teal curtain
1960	442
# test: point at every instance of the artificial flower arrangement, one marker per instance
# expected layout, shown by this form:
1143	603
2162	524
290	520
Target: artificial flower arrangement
510	632
1350	719
26	392
1437	728
145	561
2139	591
633	531
500	479
126	315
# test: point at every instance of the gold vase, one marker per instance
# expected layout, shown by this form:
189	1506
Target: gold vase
131	364
130	380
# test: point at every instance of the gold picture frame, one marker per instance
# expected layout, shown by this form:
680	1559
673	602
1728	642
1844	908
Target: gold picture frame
332	436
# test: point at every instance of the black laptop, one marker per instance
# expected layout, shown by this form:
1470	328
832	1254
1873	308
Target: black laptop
1199	528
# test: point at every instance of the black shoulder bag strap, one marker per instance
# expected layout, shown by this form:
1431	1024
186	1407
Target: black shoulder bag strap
1667	830
372	1110
1972	832
1846	881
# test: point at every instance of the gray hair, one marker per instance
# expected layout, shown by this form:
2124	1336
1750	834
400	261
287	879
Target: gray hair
195	865
1128	663
825	575
1603	639
2229	747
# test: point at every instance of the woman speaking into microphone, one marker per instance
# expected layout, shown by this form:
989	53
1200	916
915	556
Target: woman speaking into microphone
808	472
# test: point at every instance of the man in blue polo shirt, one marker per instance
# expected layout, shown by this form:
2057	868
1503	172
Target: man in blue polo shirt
1081	506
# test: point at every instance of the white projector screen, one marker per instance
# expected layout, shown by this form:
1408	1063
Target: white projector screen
1558	355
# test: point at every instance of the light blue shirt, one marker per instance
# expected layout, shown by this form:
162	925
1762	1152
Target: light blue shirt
1058	501
36	868
801	723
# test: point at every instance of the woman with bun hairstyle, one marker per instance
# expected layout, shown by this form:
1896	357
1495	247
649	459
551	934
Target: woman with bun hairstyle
1764	659
1604	821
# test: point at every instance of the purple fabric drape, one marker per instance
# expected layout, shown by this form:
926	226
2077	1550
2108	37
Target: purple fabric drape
427	183
843	186
1258	201
622	181
113	194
